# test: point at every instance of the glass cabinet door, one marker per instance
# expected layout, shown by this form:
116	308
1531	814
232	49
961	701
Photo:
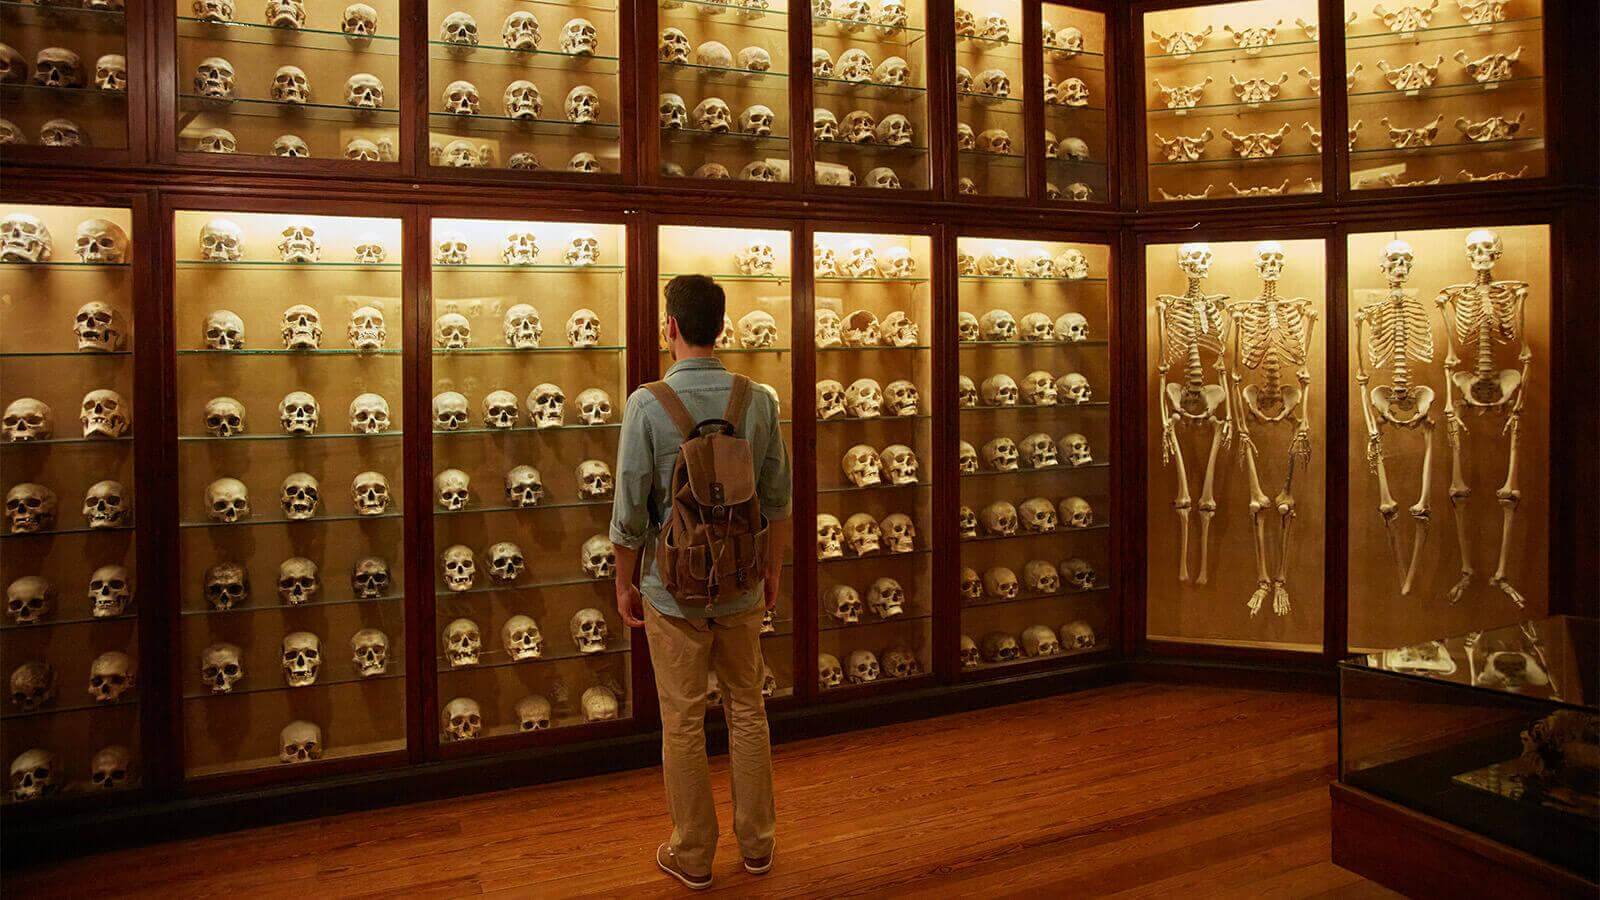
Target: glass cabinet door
522	85
754	268
990	124
1449	94
1035	460
723	72
1235	350
1233	100
874	457
68	639
297	80
290	481
869	90
66	76
1076	150
529	378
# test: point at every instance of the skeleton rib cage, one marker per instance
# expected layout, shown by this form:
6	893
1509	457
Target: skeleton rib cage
1195	325
1486	313
1400	333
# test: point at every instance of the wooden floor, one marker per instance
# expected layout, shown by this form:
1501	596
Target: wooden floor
1135	790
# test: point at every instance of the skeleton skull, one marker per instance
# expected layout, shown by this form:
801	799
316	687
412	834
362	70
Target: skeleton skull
106	505
863	668
221	667
1077	447
1076	512
1039	389
995	140
522	326
463	643
546	406
862	533
899	533
220	241
862	466
104	413
459	567
1041	577
362	150
35	773
864	398
969	653
298	580
993	83
893	71
830	537
1078	636
24	238
966	392
226	585
901	398
1072	327
520	31
595	481
299	244
1001	454
589	630
584	250
579	38
861	328
757	328
1000	389
713	114
452	331
1001	583
1037	515
533	713
829	673
27	419
29	599
30	508
110	676
369	414
452	488
999	519
459	28
524	486
1040	640
369	649
844	604
756	119
33	686
854	65
1000	647
599	704
886	598
369	579
594	406
1078	573
99	241
449	411
506	562
883	177
301	328
967	522
370	493
227	500
363	90
971	586
899	662
213	78
463	719
599	557
673	46
1075	388
900	463
713	55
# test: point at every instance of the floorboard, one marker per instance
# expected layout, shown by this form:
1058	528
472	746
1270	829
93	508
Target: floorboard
1134	791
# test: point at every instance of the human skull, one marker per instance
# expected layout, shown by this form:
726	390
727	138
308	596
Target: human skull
35	773
522	326
1037	265
62	133
110	676
1001	454
520	31
756	119
1040	640
30	508
971	585
227	500
901	398
1037	515
713	55
830	537
883	177
546	406
579	38
226	585
861	328
1078	573
864	398
33	685
967	458
583	162
673	46
966	392
862	466
98	241
1397	261
999	519
900	463
713	114
844	604
105	414
459	567
594	406
755	59
998	324
1001	583
886	598
533	713
854	65
673	113
583	105
1078	635
521	100
290	85
999	389
459	28
969	653
370	493
1194	259
999	647
595	481
992	83
24	238
1075	388
821	63
109	767
860	127
862	533
298	580
1073	148
712	170
892	71
994	27
463	642
362	150
524	486
830	332
824	127
301	327
967	521
1076	512
1039	389
106	505
213	78
463	719
1039	450
995	140
27	419
1073	92
757	328
1072	327
829	673
506	562
863	667
1484	248
899	662
358	21
599	557
221	667
452	331
583	250
110	591
363	90
369	578
1077	447
29	599
1041	577
599	704
589	630
452	488
449	411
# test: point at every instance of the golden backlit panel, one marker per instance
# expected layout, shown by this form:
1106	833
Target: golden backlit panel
874	455
529	380
294	80
67	545
754	268
72	90
290	488
1241	582
1075	104
1445	94
1232	101
1034	392
524	85
1429	266
724	76
869	86
989	92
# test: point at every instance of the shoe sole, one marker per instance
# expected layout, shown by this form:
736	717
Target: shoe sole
691	885
772	855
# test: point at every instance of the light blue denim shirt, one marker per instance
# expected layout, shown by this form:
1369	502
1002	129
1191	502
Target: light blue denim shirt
648	449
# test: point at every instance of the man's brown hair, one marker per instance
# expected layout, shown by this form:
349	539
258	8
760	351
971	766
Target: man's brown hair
698	303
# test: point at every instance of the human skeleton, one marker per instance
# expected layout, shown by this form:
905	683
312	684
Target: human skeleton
1400	336
1271	334
1189	327
1477	316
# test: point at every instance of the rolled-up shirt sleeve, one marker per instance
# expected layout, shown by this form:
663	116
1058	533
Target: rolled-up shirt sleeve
775	480
636	474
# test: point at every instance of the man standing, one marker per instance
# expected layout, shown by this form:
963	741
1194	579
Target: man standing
722	633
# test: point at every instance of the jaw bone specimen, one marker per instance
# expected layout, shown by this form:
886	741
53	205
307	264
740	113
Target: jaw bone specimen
1190	327
1477	317
1270	335
1399	337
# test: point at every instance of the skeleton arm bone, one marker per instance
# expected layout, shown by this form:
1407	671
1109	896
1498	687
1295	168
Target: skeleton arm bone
1300	449
1169	438
1374	439
1454	426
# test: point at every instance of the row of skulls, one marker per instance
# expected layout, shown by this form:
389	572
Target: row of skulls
298	582
216	79
524	485
1038	388
714	115
37	773
222	664
1001	262
1000	325
1039	578
1038	450
1035	515
857	16
862	127
521	638
103	414
33	684
357	20
673	49
464	154
31	599
293	146
863	328
299	413
60	132
462	717
864	466
855	65
521	101
522	327
886	599
864	535
992	84
864	666
520	31
866	399
58	67
547	408
861	261
31	507
990	140
840	175
227	500
755	170
222	240
1034	641
25	238
458	564
519	248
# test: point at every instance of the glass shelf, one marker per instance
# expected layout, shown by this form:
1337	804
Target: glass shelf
696	136
1008	105
826	622
306	38
872	349
852	420
285	607
849	148
82	354
328	351
728	276
528	429
444	667
1444	33
1099	647
1235	54
721	350
1388	96
1505	146
505	124
60	265
1064	108
249	523
1075	166
489	54
994	160
846	279
331	435
980	345
192	104
534	269
838	87
737	12
1028	278
717	74
321	681
443	353
74	18
1026	407
278	265
1236	109
1026	598
442	592
991	538
13	535
61	94
572	504
885	486
54	623
129	701
1240	162
1047	470
49	442
871	556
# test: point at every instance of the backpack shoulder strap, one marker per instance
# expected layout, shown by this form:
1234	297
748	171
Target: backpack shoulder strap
738	399
673	404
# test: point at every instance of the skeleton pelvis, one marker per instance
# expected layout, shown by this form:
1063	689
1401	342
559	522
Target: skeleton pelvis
1193	403
1270	407
1405	410
1496	389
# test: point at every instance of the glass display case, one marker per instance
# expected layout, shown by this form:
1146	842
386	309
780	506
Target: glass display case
529	377
514	84
991	125
1035	451
1449	410
869	90
315	79
723	72
754	266
874	457
1232	100
1448	94
1076	138
290	488
1496	732
65	76
68	639
1237	451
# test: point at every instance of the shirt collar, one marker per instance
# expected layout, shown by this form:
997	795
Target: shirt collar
695	362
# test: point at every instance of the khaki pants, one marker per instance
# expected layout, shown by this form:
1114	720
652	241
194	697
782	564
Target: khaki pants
683	651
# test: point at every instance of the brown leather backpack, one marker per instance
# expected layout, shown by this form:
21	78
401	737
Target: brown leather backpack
713	543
